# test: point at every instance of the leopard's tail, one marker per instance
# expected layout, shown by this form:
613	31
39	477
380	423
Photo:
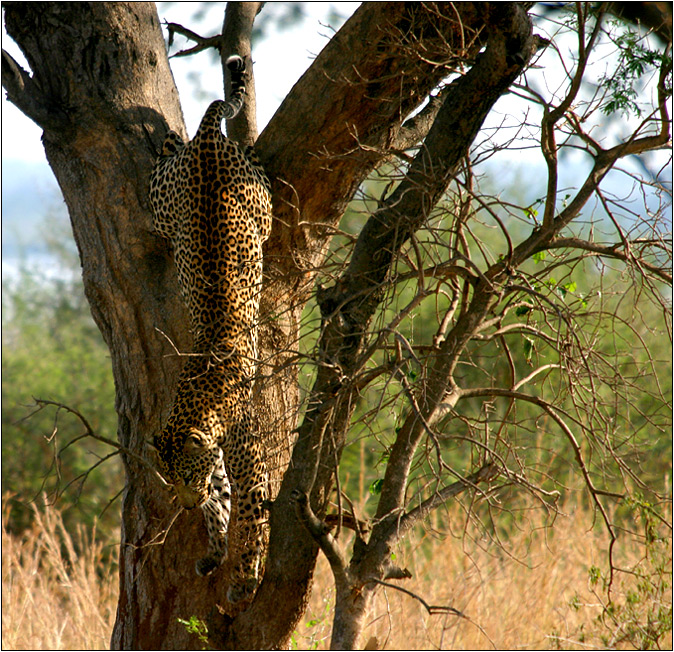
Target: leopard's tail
226	110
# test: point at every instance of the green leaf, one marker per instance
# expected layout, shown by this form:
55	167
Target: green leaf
520	311
539	257
594	574
376	486
530	212
563	290
633	62
197	627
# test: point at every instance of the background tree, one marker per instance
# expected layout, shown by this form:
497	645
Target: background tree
516	357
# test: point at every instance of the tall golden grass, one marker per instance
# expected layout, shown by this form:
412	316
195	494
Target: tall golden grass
536	594
54	597
545	592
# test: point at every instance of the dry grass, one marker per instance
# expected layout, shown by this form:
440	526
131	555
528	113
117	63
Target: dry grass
52	597
538	597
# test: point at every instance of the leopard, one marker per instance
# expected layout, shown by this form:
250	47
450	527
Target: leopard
211	199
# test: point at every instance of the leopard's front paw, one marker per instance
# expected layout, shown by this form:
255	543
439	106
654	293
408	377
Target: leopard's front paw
242	590
206	566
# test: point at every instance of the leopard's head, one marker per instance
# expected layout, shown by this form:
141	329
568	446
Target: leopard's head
185	461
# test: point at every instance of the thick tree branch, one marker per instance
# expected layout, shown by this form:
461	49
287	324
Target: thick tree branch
469	100
343	115
346	317
656	16
26	95
237	30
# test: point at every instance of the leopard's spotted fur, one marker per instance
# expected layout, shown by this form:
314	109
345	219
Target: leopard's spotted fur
212	200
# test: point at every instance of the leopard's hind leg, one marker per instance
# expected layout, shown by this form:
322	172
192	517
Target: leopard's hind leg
217	510
246	462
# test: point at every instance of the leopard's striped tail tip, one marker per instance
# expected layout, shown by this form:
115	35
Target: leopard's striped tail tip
235	63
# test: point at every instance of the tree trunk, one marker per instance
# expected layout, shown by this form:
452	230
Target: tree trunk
103	93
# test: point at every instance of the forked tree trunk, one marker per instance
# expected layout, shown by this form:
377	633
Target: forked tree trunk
101	89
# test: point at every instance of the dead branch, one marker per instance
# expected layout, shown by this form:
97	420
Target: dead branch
202	43
431	609
618	251
90	432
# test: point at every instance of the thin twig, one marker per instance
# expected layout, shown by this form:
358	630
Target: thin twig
89	431
431	609
202	42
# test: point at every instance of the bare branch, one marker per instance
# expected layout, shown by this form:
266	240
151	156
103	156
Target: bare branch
202	43
614	251
536	400
26	95
429	174
320	532
431	609
90	432
487	473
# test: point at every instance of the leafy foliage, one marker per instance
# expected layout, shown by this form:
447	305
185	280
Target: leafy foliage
197	627
636	609
634	61
53	350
